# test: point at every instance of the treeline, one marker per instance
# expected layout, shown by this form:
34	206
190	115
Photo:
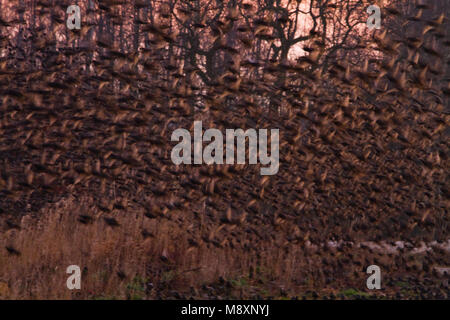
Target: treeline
192	33
212	37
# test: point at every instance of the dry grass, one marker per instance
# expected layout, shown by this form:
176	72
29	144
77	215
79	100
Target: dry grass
56	240
118	263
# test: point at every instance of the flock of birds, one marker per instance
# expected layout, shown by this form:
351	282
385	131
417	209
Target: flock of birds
363	148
